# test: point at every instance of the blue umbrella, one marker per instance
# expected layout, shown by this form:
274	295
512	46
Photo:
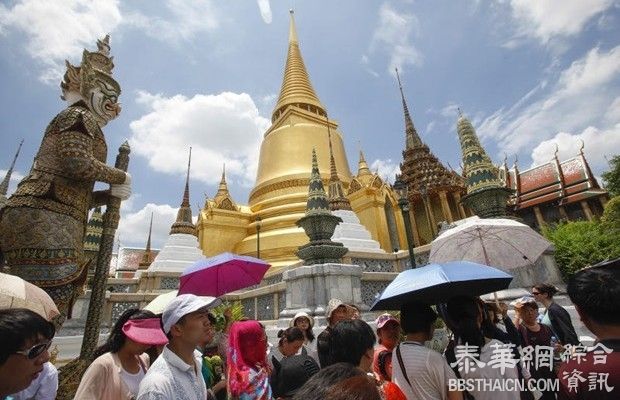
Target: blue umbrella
437	283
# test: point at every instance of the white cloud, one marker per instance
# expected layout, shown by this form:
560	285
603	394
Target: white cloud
133	227
185	20
613	111
387	169
393	35
224	128
59	30
549	19
598	144
451	110
580	97
16	176
265	10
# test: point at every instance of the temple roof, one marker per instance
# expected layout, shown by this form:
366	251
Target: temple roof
420	167
296	87
365	178
183	223
563	182
223	199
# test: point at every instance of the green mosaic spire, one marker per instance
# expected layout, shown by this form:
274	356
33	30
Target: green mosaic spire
317	199
94	229
319	224
486	195
479	169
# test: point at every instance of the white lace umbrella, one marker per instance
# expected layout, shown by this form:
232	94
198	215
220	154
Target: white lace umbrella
500	243
17	293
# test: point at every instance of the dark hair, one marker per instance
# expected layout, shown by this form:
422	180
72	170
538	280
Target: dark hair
308	332
464	312
417	317
383	359
354	388
291	374
596	291
547	289
291	334
492	307
116	340
350	340
18	326
316	388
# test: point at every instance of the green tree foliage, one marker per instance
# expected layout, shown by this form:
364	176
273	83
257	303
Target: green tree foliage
582	243
611	178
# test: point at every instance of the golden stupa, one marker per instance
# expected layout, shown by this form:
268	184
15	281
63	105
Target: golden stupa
278	199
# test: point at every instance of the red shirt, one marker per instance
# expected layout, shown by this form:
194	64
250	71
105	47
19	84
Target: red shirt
595	375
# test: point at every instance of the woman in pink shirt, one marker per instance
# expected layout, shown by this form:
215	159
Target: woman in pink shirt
120	363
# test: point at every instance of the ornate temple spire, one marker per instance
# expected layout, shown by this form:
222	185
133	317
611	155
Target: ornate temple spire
319	224
362	166
222	190
183	223
147	256
481	173
411	135
296	87
317	199
486	195
222	198
4	185
337	199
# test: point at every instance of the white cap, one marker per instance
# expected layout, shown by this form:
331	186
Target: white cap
183	305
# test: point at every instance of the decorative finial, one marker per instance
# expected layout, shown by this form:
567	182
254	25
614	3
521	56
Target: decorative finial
583	145
505	159
555	153
460	112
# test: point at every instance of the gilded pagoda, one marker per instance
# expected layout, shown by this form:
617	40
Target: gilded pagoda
278	199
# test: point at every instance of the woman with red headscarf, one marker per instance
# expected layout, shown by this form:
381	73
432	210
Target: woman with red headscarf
248	368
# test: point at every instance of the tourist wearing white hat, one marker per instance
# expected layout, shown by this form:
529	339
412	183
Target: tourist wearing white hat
176	374
335	312
305	322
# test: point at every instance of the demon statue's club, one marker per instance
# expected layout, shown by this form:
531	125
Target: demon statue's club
42	224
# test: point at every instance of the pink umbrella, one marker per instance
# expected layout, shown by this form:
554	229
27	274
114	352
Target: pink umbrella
222	274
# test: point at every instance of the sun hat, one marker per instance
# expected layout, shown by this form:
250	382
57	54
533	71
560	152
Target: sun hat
521	301
384	319
299	315
332	306
182	305
145	331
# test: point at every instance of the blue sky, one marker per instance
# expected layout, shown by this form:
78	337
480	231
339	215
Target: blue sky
530	74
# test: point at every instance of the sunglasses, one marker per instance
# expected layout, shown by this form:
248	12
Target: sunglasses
36	350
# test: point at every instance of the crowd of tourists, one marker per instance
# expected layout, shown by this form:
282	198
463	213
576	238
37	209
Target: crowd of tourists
175	355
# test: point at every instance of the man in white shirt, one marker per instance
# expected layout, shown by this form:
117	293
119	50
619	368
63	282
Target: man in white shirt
421	373
176	374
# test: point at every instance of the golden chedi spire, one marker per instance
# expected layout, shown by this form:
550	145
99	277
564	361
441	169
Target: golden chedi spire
296	87
362	166
183	223
281	189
